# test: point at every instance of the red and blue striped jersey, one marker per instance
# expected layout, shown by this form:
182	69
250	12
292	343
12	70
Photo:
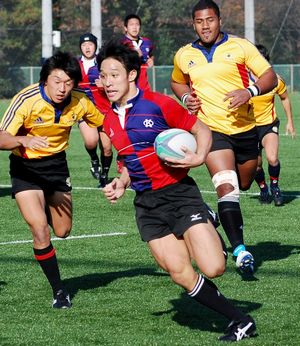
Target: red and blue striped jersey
97	95
143	43
147	114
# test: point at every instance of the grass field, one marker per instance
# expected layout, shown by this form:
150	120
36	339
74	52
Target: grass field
119	295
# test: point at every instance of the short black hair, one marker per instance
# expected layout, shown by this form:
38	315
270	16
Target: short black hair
63	61
127	56
132	16
263	51
203	5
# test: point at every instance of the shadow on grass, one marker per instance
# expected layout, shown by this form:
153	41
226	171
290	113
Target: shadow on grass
5	191
272	251
288	197
2	283
267	251
92	281
187	312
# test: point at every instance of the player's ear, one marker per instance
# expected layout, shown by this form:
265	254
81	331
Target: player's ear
132	75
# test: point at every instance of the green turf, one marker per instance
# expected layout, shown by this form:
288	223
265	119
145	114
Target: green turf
119	295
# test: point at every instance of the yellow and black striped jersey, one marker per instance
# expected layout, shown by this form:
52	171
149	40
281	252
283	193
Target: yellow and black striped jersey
264	105
214	73
31	113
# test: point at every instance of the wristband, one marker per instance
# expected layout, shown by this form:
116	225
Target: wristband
253	90
184	97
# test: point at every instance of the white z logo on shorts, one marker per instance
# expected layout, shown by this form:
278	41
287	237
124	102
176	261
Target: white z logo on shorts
196	217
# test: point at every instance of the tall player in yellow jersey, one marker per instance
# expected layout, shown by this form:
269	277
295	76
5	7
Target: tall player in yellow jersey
267	124
36	127
211	77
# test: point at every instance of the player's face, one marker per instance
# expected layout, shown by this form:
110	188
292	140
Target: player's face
116	81
133	28
207	26
58	86
88	49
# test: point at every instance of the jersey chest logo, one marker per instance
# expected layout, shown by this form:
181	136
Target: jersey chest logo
148	123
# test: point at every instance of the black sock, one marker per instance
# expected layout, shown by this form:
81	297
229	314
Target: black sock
274	172
207	294
232	222
106	163
93	154
48	262
261	180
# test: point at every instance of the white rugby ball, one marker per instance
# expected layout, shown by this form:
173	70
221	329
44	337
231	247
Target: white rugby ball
169	143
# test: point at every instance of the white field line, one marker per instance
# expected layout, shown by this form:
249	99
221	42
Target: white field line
86	188
69	238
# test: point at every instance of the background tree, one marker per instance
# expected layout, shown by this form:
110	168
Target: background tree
167	23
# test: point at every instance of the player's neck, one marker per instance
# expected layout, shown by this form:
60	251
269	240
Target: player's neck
133	38
208	45
132	93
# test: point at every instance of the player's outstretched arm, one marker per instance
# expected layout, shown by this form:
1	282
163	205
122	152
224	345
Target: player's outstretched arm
9	142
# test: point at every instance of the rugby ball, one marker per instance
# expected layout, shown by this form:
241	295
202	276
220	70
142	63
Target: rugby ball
169	143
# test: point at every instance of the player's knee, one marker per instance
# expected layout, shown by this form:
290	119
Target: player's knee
62	232
272	160
227	182
245	187
107	151
91	143
215	270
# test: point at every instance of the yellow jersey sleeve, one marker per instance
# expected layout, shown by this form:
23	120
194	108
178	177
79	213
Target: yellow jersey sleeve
264	105
178	75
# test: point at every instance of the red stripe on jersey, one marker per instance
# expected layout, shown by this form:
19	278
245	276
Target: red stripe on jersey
273	110
164	175
45	256
244	74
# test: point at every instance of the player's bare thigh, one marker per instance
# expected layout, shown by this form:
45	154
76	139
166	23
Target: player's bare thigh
32	207
206	249
270	143
89	134
60	207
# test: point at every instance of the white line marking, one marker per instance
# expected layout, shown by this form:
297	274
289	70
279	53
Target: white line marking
69	238
86	188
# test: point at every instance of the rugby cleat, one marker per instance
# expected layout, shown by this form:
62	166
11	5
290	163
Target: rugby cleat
264	197
61	300
277	196
245	262
238	330
95	169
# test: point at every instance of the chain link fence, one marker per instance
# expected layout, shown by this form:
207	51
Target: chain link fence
159	77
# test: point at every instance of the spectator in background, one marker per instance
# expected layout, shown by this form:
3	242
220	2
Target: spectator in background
36	128
143	45
92	86
267	124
